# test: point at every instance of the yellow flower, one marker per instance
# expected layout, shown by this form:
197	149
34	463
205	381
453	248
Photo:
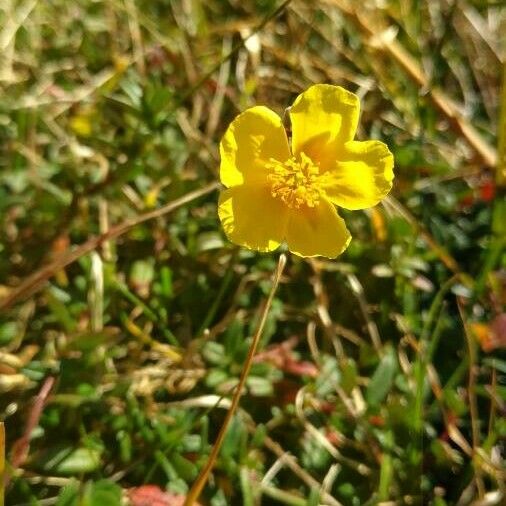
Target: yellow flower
276	194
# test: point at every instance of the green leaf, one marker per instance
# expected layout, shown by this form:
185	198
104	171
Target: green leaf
142	273
184	468
166	288
314	498
259	387
246	488
349	374
68	461
99	493
496	363
8	332
215	377
329	377
214	353
69	495
102	493
382	379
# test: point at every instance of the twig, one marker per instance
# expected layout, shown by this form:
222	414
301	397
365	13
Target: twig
370	27
282	496
36	281
21	447
284	458
320	438
322	309
291	462
372	328
199	484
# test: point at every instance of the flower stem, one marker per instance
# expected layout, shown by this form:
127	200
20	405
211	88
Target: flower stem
199	484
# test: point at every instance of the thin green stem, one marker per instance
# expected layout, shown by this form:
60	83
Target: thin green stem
227	278
421	361
472	353
386	472
148	312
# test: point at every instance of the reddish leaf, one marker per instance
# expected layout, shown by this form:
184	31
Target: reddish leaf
487	191
493	335
333	437
303	368
377	421
282	356
152	495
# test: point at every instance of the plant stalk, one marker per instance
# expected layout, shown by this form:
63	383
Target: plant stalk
199	484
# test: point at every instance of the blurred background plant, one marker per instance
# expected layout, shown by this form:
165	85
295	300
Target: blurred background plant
381	376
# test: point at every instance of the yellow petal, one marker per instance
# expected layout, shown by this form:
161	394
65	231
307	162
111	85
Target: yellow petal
250	141
251	217
317	231
361	177
323	118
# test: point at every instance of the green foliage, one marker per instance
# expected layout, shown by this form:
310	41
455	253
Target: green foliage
99	493
380	376
382	379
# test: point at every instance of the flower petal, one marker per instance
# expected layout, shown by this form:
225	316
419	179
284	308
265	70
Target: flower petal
251	217
361	177
317	231
323	118
250	141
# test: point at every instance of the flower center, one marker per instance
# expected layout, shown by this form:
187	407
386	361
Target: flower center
295	181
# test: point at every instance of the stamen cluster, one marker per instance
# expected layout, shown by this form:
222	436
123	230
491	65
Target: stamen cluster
295	181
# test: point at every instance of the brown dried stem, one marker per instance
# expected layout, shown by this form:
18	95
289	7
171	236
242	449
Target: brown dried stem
369	24
199	484
36	281
21	447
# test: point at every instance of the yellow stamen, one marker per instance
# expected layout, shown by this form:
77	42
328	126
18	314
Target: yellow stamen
295	181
